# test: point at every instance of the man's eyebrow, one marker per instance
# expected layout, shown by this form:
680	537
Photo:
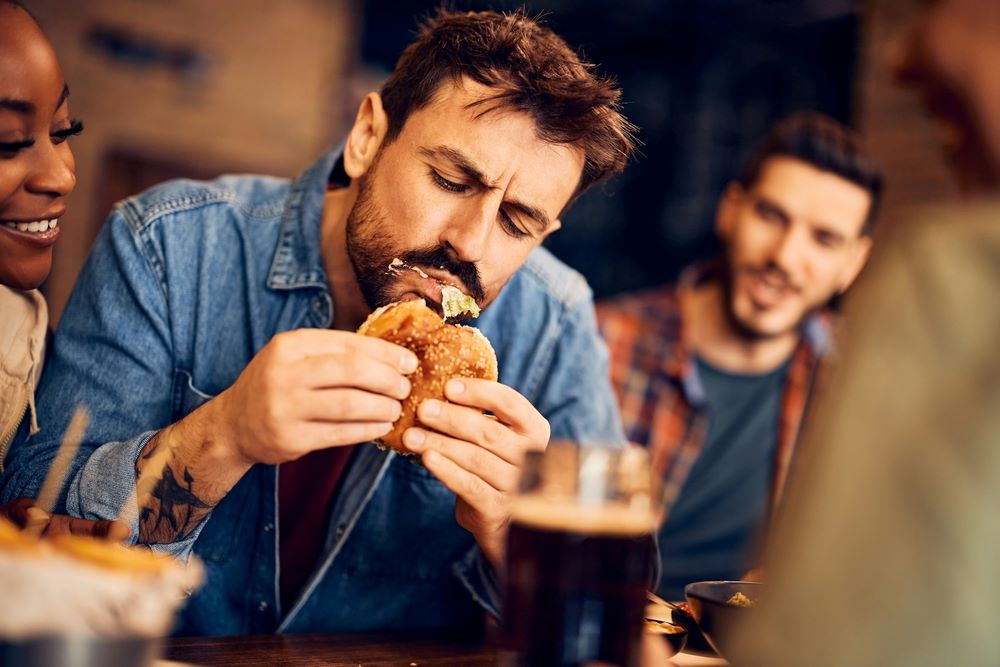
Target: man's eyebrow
466	166
540	219
26	107
461	162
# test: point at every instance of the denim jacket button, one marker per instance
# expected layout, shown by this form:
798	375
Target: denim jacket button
262	606
268	527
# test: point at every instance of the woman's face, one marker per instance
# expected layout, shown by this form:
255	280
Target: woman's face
37	171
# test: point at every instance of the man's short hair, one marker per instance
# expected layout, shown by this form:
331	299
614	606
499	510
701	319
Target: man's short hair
531	69
825	144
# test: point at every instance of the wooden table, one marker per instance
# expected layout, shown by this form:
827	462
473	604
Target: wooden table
410	649
369	650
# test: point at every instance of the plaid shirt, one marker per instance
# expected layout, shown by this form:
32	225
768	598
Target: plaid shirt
661	397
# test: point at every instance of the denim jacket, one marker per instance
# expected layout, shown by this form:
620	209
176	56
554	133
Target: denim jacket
185	283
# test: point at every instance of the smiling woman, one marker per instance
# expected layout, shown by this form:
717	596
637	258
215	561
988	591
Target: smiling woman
37	173
36	164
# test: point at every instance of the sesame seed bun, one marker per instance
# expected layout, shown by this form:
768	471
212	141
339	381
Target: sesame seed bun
444	351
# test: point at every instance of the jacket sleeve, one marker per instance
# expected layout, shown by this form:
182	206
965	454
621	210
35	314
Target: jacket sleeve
112	354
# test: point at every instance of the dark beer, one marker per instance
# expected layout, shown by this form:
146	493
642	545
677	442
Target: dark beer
576	584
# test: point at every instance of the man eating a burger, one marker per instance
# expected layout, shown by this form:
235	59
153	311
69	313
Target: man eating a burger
219	320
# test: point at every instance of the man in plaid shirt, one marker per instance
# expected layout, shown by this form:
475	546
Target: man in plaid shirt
713	375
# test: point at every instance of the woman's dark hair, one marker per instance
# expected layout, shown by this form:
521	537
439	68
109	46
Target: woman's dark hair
531	69
825	144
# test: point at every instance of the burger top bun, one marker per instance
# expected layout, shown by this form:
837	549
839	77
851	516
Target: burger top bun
443	351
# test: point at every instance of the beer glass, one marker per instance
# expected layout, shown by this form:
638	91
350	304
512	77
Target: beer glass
580	558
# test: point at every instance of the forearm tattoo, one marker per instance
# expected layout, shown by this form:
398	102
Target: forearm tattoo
173	509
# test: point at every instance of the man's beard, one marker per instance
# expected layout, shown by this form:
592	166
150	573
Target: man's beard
370	248
746	330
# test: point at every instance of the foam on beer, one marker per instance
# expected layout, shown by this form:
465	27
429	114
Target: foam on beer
567	515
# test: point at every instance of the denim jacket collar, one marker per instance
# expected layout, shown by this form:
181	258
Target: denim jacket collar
298	258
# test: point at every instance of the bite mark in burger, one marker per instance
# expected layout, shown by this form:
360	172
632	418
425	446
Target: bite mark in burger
443	350
454	302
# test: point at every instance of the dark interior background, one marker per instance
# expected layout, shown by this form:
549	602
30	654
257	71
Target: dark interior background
703	79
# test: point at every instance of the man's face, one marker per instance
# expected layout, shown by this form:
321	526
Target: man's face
463	199
36	164
793	240
948	53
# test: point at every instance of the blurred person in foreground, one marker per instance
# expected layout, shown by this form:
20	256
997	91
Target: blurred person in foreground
37	174
216	322
713	375
888	552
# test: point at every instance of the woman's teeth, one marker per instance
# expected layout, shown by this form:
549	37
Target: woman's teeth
37	226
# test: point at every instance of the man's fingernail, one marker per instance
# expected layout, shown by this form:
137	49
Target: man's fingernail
404	387
36	514
432	457
431	408
455	387
408	363
397	409
414	437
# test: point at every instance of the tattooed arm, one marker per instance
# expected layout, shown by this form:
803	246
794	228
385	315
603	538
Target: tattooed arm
305	390
197	475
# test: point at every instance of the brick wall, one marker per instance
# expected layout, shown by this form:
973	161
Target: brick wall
204	86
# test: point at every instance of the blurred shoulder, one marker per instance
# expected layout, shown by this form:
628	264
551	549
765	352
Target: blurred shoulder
952	247
246	196
651	309
545	275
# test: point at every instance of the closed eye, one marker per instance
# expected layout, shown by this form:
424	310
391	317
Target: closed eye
59	136
447	185
11	148
510	227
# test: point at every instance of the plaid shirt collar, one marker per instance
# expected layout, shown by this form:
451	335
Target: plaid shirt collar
816	342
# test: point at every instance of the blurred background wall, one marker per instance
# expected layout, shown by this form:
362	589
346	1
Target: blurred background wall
194	88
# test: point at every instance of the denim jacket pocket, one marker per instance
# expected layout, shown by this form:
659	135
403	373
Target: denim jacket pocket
187	398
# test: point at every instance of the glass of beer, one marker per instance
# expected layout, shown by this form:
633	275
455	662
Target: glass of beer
580	558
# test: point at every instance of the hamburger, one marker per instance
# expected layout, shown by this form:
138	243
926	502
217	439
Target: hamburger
443	350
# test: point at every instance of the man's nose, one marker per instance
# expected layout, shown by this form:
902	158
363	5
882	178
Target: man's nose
788	253
469	233
53	171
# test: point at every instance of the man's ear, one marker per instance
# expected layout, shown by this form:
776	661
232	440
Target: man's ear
366	136
859	256
728	208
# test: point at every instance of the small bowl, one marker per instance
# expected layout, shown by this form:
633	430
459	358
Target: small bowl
715	613
79	652
675	635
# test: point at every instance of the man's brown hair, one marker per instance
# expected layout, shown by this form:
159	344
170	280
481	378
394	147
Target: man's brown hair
532	70
825	144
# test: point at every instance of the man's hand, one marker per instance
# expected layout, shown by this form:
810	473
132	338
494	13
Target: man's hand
305	390
23	510
477	456
310	389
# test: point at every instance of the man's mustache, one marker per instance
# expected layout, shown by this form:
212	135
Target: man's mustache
775	275
444	259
